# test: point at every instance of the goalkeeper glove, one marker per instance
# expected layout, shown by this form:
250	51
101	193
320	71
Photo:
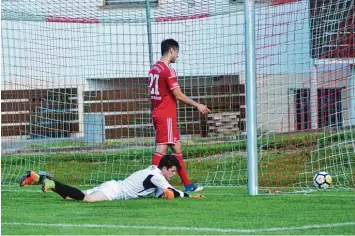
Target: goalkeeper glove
168	194
197	196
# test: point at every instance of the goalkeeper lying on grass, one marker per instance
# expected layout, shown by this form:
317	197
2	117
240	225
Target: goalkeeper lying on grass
153	179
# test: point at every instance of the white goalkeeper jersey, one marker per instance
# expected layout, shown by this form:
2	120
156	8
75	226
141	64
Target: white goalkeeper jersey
145	182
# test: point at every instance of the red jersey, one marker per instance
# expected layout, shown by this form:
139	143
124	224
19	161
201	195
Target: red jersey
162	81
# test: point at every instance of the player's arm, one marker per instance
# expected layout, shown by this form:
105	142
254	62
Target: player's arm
172	82
165	190
183	98
161	183
171	193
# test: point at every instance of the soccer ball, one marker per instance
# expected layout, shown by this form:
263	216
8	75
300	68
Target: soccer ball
322	180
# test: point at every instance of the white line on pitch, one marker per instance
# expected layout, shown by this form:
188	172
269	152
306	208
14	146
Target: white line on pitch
224	230
20	190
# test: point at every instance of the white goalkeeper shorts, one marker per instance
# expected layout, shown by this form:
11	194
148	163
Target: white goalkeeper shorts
112	190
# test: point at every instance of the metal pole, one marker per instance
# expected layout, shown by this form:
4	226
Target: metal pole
314	98
249	16
352	94
149	32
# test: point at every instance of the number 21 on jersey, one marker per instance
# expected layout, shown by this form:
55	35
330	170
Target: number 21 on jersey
154	83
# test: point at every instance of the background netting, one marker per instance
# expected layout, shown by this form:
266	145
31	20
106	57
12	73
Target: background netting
75	99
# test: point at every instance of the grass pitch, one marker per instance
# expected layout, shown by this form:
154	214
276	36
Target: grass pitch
285	161
222	211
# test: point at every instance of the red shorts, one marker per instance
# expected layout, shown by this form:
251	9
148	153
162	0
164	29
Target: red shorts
166	130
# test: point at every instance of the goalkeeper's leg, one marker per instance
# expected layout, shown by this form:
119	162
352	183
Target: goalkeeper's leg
70	193
65	191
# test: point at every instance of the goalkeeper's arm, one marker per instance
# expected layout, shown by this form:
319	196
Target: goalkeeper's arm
171	193
165	190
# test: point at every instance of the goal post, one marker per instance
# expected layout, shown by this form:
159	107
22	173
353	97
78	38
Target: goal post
251	115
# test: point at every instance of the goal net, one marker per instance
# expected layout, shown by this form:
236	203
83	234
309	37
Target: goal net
305	93
75	99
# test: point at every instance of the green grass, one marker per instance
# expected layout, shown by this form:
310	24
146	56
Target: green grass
59	144
270	142
196	150
221	209
287	161
304	140
89	168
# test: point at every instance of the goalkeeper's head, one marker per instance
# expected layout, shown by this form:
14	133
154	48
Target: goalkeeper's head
170	50
169	165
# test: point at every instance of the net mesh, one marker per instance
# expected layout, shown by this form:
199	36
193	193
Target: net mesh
75	100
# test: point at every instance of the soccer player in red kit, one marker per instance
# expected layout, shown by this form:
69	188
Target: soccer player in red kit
164	92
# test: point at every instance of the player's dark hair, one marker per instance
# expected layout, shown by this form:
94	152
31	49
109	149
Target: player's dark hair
169	161
167	44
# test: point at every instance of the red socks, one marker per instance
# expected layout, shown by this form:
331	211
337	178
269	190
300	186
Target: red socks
182	172
156	158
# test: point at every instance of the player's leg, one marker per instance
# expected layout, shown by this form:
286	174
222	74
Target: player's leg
189	187
96	197
92	196
174	136
160	151
71	193
161	139
107	191
65	191
85	192
177	148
